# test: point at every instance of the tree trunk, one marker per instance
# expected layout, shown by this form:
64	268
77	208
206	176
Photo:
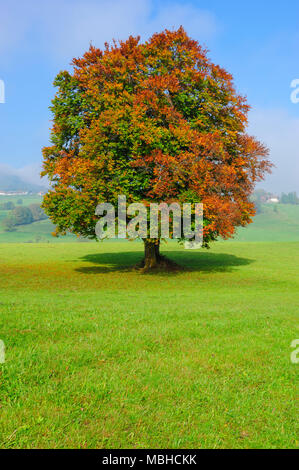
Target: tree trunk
152	255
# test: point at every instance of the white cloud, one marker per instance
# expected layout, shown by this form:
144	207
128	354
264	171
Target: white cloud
280	132
29	173
69	34
66	27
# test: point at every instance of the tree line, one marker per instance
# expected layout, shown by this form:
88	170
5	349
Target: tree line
290	198
9	205
260	197
23	216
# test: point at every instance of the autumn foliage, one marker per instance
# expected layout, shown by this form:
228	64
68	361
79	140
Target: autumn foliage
156	121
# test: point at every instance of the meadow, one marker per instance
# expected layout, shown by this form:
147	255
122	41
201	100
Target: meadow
100	355
277	222
36	232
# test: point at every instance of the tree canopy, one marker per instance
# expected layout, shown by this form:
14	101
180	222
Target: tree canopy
155	121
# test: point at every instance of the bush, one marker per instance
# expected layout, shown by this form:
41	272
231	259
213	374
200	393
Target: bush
37	212
20	202
22	216
7	206
290	198
258	207
9	224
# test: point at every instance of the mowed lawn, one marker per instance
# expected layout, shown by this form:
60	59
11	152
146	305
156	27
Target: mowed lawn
99	355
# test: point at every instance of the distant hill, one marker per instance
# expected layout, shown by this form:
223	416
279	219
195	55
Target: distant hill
15	183
276	223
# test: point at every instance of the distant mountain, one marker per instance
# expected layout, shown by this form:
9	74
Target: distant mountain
15	183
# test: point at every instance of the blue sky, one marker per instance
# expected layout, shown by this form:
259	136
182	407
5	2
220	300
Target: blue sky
257	41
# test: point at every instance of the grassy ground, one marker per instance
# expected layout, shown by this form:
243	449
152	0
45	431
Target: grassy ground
278	222
32	233
26	199
99	355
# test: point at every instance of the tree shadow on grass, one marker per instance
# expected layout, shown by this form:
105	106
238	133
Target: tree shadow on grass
188	261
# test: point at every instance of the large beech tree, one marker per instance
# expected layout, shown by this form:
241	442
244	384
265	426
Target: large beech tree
155	121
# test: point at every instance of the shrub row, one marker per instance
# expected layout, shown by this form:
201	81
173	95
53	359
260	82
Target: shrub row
23	216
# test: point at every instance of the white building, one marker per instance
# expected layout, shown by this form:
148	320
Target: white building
273	200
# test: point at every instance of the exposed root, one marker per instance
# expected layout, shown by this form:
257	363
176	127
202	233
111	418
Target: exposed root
159	265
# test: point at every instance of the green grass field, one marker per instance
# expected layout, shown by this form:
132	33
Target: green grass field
276	223
100	355
32	233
